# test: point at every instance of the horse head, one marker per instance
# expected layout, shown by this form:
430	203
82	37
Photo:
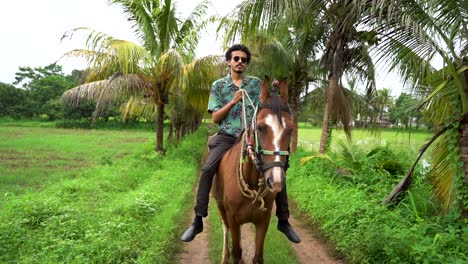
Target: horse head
272	131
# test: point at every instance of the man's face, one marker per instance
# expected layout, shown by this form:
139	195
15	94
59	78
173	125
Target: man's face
238	61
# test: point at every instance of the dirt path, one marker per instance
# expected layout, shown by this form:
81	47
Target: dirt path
309	251
197	250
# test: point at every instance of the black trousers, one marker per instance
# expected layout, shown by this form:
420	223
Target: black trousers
217	147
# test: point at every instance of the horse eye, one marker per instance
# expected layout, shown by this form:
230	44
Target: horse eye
261	128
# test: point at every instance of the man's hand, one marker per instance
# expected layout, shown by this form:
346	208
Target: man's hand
219	115
237	97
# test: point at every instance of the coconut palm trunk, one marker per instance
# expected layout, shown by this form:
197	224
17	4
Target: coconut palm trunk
464	150
333	86
295	109
326	117
464	158
160	128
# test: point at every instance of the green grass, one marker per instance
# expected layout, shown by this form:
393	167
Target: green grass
309	138
33	156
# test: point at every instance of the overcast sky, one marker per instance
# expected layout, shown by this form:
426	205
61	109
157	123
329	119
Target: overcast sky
30	32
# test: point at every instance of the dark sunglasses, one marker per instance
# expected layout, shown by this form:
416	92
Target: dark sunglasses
242	59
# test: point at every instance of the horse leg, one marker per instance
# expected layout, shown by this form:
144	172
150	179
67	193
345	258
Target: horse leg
260	233
236	243
222	212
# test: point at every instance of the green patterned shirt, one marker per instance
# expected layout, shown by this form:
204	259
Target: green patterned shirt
222	92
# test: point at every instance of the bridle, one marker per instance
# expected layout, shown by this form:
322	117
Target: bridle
254	152
258	150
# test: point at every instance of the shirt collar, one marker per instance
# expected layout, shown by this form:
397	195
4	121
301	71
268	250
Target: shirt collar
229	79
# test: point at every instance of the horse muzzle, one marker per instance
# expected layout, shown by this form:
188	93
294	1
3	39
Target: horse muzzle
275	179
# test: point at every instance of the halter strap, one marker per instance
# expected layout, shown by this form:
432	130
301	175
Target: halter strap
274	153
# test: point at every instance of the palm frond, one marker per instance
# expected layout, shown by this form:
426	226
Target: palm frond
254	15
107	55
269	57
443	104
201	74
118	89
140	13
444	169
84	92
304	160
137	107
169	72
405	183
188	36
341	110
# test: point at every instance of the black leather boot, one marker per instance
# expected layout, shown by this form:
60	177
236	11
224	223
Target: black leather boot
286	228
193	230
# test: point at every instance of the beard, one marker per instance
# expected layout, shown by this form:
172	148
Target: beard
239	70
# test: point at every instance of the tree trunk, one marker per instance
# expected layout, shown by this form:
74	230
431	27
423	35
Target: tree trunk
295	116
160	129
325	125
326	115
464	158
170	135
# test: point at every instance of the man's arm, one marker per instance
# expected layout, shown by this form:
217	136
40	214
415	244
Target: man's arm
220	114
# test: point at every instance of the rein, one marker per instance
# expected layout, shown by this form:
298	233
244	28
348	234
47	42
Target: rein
256	195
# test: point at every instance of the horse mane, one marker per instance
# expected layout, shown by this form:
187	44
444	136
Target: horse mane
276	106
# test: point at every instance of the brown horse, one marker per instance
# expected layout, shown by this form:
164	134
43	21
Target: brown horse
245	188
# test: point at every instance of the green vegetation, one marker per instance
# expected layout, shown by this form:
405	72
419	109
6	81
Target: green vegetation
309	138
343	195
114	211
81	196
34	156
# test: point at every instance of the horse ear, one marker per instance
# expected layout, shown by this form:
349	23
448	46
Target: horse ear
284	90
265	93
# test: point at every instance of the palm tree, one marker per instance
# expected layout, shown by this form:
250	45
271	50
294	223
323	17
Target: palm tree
148	73
346	51
383	102
416	32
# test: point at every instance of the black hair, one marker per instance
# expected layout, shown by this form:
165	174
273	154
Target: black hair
236	47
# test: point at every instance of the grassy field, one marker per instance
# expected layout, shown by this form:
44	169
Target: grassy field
309	138
33	156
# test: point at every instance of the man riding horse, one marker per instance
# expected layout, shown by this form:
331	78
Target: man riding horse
225	95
